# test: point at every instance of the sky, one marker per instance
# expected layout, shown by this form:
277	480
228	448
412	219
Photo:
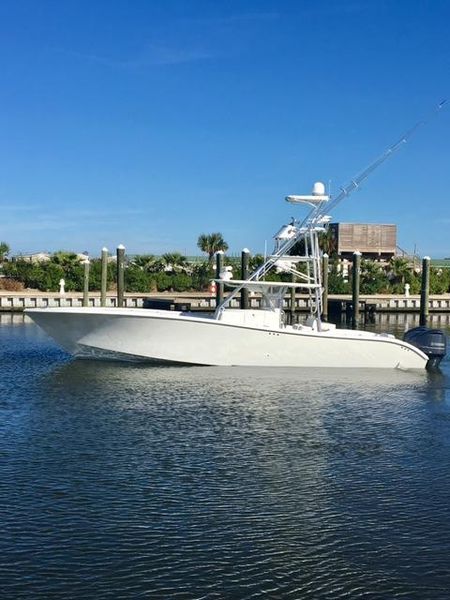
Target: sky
147	123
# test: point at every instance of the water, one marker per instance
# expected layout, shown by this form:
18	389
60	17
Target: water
124	481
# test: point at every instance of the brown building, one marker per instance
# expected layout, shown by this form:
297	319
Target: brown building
373	240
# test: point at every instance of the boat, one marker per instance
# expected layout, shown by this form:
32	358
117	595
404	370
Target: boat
254	337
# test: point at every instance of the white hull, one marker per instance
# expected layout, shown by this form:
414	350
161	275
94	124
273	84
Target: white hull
165	336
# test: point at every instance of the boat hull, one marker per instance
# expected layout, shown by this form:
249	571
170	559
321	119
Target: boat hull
171	337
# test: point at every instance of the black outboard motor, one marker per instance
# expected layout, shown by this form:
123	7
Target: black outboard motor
432	342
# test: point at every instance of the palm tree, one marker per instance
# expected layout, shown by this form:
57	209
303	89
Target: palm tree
328	242
65	259
256	261
211	243
148	263
175	262
400	270
4	251
373	278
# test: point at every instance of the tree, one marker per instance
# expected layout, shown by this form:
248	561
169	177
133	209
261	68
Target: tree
211	243
4	251
255	262
71	268
175	262
137	280
373	278
148	263
201	276
439	280
336	282
65	259
399	273
328	242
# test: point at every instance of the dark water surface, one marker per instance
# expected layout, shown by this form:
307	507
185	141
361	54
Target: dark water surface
124	481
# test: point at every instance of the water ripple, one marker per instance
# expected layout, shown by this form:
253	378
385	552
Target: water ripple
202	483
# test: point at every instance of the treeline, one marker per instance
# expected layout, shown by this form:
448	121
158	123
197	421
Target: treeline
388	278
173	272
143	274
140	275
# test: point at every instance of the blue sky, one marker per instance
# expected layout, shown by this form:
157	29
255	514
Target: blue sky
149	122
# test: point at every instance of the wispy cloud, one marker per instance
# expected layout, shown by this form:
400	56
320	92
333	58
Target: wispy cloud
15	208
34	218
90	230
232	19
153	56
106	213
182	49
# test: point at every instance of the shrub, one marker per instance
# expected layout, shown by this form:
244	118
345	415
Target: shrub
336	283
439	280
95	274
373	277
163	281
137	280
10	285
201	275
181	282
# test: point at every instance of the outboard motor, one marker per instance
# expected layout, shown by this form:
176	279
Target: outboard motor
432	342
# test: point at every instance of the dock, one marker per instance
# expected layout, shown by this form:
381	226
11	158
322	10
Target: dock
197	301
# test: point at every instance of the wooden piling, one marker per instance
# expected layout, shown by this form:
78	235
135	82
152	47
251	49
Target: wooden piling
245	258
104	279
425	291
325	287
86	265
219	269
355	287
292	306
120	275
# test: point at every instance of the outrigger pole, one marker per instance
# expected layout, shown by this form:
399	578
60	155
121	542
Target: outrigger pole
356	181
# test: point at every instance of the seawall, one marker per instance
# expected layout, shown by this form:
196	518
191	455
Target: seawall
19	301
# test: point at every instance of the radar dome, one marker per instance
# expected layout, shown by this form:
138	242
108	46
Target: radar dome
318	189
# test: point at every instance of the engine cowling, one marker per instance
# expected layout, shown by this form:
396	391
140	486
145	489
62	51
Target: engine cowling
433	342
